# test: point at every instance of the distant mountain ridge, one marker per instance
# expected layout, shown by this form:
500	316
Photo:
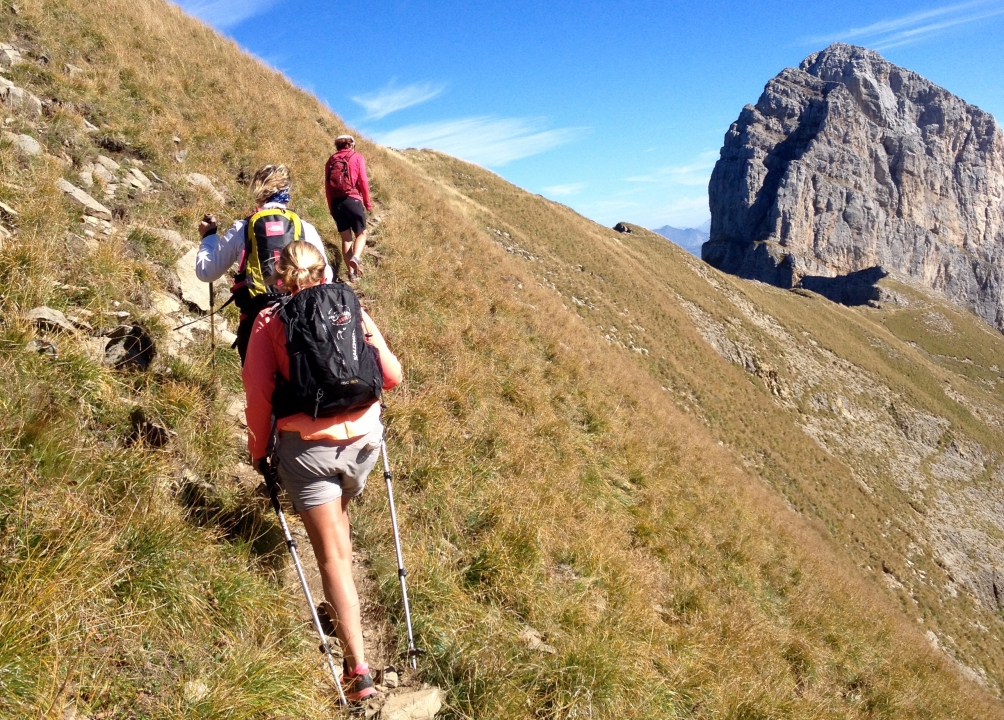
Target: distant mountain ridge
690	239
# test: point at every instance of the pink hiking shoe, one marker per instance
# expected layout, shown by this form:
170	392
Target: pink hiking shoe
358	684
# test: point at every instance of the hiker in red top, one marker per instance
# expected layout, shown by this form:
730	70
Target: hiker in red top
348	191
323	462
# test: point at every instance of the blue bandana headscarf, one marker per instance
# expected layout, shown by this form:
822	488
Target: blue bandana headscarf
280	197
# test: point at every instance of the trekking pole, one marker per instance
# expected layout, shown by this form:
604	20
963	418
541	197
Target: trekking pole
272	482
203	317
413	651
212	325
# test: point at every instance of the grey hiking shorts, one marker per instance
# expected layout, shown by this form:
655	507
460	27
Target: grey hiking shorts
315	472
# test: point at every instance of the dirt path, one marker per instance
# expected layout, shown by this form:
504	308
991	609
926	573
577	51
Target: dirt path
401	694
378	634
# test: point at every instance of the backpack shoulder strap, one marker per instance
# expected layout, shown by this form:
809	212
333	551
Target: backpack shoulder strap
297	224
266	212
248	239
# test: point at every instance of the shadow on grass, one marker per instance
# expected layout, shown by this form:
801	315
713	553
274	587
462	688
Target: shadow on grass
242	518
856	288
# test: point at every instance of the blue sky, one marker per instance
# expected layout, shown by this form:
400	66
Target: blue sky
615	109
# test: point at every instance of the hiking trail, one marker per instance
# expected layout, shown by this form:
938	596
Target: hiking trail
402	694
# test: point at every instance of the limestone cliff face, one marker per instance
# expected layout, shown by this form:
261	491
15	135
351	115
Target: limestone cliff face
849	162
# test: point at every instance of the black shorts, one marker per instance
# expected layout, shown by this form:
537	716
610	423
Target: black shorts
349	213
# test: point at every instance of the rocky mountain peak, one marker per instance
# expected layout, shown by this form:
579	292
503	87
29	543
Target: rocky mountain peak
848	163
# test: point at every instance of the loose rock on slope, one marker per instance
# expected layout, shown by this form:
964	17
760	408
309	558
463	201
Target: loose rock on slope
91	206
48	319
9	55
418	705
848	163
25	143
20	99
193	290
201	182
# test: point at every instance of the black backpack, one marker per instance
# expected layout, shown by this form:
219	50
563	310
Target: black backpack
332	368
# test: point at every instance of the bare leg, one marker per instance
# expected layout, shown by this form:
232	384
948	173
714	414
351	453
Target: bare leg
347	248
360	245
328	529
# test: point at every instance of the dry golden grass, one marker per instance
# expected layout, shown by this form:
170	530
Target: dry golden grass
546	478
646	303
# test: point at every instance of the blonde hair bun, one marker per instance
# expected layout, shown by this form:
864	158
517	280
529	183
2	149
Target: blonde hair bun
300	265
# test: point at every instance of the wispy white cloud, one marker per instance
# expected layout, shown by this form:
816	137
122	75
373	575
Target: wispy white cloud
565	190
226	13
687	211
694	173
486	140
915	26
391	98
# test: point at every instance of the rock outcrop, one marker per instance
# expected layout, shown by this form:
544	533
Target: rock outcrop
91	206
193	290
25	143
17	98
850	163
414	705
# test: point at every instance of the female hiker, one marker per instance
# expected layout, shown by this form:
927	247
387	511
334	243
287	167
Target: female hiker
255	241
348	192
323	461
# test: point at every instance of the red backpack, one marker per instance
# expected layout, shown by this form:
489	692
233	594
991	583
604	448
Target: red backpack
340	182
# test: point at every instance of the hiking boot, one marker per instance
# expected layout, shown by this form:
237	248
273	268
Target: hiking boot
355	268
358	684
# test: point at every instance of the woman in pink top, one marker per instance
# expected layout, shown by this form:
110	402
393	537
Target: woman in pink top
323	462
348	192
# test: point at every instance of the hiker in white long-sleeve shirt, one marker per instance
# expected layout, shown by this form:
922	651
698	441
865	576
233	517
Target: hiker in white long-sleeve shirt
255	242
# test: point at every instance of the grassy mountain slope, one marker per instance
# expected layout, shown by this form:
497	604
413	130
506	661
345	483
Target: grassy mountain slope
589	470
882	424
